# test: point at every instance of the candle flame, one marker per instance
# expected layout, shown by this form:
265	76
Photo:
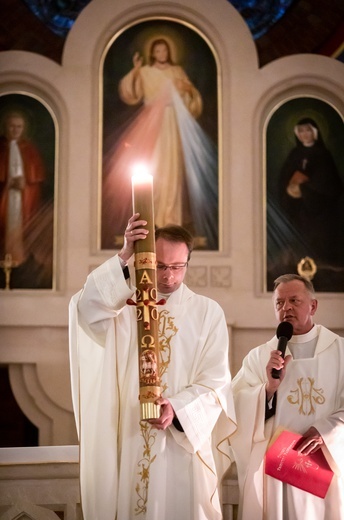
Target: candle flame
141	174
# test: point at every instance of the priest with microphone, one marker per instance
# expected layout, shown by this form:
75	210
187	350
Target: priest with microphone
293	382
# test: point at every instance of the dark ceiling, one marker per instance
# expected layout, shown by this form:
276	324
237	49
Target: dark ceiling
308	26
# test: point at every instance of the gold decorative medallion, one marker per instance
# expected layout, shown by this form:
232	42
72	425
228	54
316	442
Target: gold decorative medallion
307	267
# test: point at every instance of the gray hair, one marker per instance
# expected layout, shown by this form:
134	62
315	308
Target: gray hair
286	278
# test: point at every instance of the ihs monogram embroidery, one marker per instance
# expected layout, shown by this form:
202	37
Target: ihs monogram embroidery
306	396
167	330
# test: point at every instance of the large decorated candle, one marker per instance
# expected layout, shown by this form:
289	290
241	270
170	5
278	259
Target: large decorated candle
146	298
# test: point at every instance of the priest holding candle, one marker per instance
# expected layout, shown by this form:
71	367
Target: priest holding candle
154	342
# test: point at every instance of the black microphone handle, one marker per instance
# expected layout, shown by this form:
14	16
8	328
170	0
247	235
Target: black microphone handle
282	345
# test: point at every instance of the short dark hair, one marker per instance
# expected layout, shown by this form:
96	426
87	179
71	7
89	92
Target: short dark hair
178	234
285	278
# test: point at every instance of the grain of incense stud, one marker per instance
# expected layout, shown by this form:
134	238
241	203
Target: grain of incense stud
146	299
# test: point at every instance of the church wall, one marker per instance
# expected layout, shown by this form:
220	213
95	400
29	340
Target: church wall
34	324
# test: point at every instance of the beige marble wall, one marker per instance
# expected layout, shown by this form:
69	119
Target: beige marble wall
40	483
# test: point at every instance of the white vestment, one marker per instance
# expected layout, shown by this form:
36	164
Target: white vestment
129	470
311	394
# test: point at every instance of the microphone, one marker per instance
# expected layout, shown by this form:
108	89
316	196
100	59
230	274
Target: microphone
284	332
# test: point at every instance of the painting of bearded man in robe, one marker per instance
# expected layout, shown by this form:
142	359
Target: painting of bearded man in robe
160	109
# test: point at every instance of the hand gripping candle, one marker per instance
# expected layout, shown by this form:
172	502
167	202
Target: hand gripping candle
146	299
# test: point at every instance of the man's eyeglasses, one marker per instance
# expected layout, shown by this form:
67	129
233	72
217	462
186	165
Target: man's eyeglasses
174	267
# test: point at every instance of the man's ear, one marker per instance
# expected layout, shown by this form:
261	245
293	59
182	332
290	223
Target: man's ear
314	306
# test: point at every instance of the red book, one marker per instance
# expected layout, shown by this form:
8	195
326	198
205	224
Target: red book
308	472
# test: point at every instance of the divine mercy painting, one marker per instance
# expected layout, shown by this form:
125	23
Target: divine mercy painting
160	109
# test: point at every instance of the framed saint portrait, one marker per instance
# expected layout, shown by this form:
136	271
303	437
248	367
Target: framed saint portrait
305	193
27	179
160	108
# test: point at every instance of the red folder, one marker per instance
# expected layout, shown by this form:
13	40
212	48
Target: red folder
308	472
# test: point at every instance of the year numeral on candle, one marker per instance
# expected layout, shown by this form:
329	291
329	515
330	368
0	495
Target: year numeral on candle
146	311
148	293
